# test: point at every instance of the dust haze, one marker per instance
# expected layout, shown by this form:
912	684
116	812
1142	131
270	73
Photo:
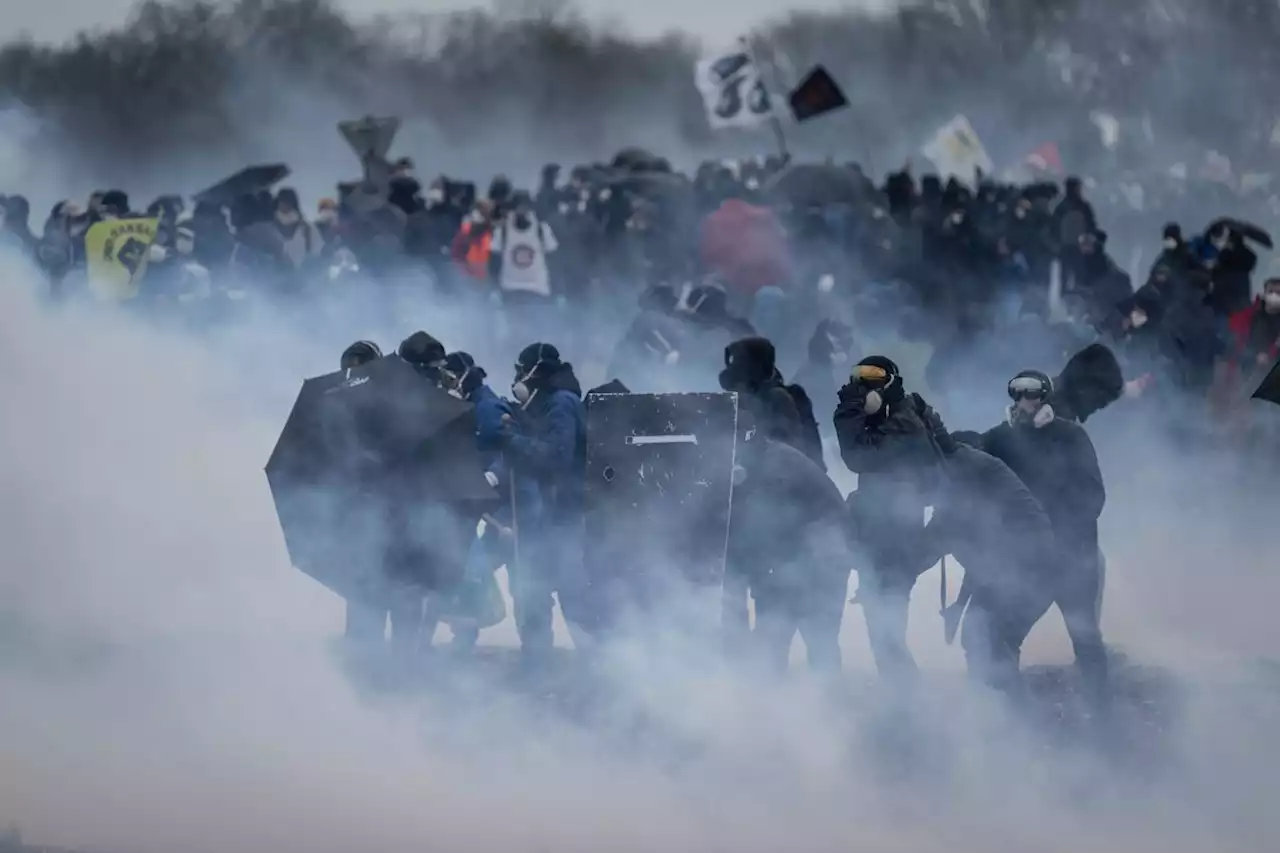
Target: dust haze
167	680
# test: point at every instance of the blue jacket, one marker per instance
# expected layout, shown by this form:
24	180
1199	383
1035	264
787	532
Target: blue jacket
491	433
551	445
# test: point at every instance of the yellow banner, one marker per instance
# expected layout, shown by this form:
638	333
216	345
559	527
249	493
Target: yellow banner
116	253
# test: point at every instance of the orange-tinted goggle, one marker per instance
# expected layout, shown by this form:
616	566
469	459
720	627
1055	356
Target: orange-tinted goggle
870	373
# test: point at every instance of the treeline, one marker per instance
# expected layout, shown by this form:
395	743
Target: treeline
201	84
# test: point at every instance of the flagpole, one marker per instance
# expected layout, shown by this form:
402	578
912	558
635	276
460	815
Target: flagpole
774	122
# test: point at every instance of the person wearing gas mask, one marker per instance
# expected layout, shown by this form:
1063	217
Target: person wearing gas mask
477	602
1056	460
547	442
425	539
883	439
787	539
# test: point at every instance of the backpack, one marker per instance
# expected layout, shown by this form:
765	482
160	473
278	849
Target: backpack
810	439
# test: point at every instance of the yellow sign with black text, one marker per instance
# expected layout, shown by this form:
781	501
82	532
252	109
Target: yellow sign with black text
116	253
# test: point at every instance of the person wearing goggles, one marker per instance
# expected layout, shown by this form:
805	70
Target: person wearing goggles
1056	460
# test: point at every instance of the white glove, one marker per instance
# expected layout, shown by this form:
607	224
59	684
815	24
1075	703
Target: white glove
491	478
873	403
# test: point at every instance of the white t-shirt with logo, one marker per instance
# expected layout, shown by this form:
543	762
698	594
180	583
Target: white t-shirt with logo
524	256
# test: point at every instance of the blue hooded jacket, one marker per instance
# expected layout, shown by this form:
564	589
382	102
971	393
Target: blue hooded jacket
552	445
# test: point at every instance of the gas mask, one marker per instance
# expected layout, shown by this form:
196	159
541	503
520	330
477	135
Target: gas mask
522	389
1271	301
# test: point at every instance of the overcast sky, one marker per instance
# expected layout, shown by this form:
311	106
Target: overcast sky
55	20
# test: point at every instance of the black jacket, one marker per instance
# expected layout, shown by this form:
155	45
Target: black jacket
989	520
1059	466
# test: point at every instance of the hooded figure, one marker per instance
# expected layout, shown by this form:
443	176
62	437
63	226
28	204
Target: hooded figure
359	353
830	352
988	519
885	441
1056	460
425	353
1091	381
750	370
550	446
786	538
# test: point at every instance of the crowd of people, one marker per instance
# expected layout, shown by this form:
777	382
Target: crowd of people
988	276
744	276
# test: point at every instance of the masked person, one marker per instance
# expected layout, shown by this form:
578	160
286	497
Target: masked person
990	521
426	354
301	240
547	442
750	370
885	441
1091	380
478	602
368	613
1057	462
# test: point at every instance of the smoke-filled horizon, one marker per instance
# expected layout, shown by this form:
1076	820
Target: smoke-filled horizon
196	90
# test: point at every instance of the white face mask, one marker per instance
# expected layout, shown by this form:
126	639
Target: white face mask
521	392
184	245
288	217
1137	318
1271	302
1171	244
1220	242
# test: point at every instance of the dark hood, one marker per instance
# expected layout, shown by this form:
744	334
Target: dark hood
564	379
1091	381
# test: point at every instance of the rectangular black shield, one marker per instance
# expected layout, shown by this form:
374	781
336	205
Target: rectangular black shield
659	483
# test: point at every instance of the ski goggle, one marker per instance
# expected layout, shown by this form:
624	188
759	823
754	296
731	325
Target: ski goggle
870	373
1022	387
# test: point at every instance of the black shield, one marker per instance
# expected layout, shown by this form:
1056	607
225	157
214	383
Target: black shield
658	491
377	466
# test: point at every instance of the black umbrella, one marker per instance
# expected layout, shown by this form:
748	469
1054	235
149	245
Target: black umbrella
1269	388
247	181
815	184
1247	230
360	447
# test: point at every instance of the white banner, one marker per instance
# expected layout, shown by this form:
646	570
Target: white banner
956	151
732	89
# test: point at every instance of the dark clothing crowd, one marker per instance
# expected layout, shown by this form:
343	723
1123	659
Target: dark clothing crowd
764	279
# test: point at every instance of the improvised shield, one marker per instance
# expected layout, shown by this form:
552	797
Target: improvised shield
250	180
658	491
375	473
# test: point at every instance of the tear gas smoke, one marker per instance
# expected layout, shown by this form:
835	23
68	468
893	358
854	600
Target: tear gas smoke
166	679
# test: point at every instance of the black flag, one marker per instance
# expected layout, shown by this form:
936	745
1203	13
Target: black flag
817	95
